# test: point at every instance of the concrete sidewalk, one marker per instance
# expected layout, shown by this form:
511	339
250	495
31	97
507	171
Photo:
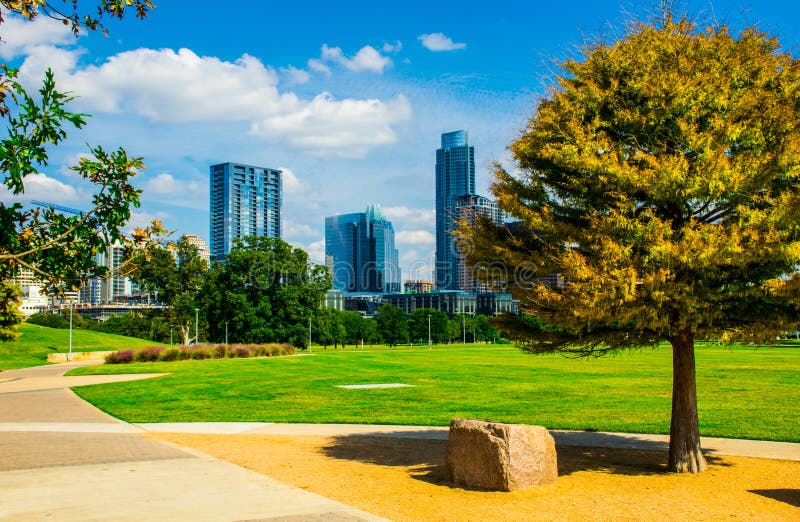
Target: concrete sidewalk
63	459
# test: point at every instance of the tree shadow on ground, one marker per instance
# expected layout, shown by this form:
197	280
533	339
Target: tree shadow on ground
425	458
787	496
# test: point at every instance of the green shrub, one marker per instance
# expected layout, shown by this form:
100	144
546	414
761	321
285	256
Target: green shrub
48	320
200	352
149	354
169	355
219	351
120	357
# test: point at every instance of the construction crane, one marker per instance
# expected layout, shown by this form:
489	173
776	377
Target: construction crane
60	208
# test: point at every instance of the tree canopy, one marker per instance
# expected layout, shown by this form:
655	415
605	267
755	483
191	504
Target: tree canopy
659	178
266	290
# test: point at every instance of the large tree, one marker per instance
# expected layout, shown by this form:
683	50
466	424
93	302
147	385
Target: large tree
659	178
266	290
60	249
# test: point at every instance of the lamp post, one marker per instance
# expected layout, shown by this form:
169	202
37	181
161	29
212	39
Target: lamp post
69	356
196	320
171	327
309	335
464	326
429	331
226	333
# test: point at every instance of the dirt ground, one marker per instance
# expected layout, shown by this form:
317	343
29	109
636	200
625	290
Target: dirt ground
403	479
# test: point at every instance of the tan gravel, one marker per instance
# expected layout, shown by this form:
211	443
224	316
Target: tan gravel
403	479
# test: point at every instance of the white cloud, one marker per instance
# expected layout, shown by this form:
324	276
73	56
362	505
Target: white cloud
293	230
316	251
366	59
291	183
393	48
168	86
317	65
180	87
295	76
166	188
440	42
414	237
411	217
347	128
42	187
20	35
417	264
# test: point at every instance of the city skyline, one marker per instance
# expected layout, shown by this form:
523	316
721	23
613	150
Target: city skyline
349	108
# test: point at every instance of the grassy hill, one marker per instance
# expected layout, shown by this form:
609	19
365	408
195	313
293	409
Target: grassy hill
35	342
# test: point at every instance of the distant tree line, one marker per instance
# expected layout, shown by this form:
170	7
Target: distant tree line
267	291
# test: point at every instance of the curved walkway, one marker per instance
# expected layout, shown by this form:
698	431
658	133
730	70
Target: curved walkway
63	459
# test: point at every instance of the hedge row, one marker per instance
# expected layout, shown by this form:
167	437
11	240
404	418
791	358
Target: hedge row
199	351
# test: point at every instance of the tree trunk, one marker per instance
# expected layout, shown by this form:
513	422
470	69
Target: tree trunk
685	454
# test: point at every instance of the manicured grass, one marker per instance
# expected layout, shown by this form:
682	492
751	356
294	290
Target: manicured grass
35	342
743	392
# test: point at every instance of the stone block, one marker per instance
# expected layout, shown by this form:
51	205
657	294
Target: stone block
498	456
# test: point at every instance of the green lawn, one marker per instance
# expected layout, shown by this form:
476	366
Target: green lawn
35	342
743	392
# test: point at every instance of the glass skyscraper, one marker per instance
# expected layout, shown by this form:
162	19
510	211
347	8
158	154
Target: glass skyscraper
245	201
360	252
455	177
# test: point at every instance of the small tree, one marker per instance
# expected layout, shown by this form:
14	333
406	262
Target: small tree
418	324
370	331
175	273
659	178
392	324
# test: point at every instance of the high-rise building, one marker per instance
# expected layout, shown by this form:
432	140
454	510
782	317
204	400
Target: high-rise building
245	201
113	287
455	177
360	252
469	209
202	248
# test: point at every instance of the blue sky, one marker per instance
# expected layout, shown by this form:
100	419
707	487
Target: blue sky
349	100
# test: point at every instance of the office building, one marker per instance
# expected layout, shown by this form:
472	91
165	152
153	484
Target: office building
245	201
418	286
360	252
202	247
455	177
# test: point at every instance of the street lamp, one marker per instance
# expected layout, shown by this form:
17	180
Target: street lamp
464	326
429	331
196	320
69	357
226	333
309	335
170	335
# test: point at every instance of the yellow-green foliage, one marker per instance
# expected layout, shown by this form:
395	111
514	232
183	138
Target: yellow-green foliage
659	177
10	314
